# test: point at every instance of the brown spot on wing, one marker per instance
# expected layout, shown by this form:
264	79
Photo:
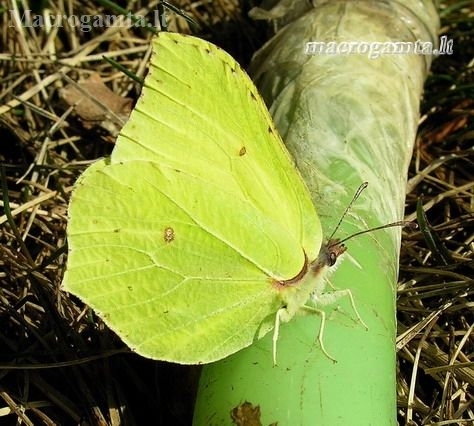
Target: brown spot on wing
168	235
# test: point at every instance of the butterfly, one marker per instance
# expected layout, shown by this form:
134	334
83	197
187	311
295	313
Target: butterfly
198	235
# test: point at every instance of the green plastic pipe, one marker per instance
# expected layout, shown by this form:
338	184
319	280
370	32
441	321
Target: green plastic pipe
346	119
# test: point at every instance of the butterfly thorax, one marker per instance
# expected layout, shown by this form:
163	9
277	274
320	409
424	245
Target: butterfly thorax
296	291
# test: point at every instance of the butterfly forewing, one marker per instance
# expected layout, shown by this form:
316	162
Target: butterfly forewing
215	125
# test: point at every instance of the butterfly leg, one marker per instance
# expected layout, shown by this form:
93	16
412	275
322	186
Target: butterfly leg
276	331
326	299
282	315
331	297
322	314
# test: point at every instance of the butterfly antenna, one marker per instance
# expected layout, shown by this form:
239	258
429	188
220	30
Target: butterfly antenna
401	223
354	198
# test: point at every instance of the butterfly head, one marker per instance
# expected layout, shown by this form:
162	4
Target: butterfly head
328	254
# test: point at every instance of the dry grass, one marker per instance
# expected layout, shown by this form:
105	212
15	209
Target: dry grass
55	361
435	296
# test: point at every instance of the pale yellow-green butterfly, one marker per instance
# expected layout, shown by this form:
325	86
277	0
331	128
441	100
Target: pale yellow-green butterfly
198	236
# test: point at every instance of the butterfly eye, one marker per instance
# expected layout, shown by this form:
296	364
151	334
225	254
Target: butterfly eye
332	258
335	250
